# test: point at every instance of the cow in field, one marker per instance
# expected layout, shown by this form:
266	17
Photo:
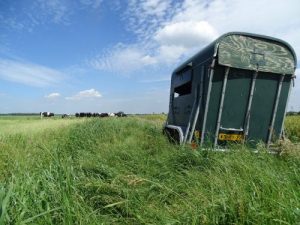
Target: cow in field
104	115
89	114
82	114
65	116
46	114
120	114
96	114
86	114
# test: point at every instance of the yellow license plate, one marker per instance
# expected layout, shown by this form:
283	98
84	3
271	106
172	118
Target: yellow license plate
230	137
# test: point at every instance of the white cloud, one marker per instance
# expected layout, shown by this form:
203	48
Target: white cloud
187	34
52	95
29	73
26	17
170	54
93	3
56	11
162	39
155	7
86	94
182	39
144	16
259	16
170	42
122	59
169	30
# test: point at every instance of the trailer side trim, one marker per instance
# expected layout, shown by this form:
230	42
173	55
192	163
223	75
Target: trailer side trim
191	116
207	101
275	110
285	110
247	117
198	106
221	106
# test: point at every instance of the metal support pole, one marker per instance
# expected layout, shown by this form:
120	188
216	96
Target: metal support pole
191	117
221	106
275	110
287	101
247	117
211	74
199	98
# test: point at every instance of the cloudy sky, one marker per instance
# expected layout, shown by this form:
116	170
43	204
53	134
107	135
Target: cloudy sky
109	55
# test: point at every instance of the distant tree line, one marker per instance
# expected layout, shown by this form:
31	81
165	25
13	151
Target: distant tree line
19	114
292	113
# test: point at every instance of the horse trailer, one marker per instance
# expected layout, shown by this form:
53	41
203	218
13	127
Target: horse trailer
235	90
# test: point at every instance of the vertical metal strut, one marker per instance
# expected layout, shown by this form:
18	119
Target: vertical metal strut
191	117
221	106
247	117
275	110
287	101
212	68
199	98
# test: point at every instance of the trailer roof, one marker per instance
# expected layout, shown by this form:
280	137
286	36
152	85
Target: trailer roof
250	51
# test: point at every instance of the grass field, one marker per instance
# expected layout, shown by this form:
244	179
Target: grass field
124	171
31	124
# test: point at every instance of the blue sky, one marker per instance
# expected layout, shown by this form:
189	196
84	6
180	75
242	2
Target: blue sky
104	56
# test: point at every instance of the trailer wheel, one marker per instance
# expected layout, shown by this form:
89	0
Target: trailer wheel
172	134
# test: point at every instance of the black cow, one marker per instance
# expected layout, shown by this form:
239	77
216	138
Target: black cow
86	114
82	114
104	115
65	116
96	114
46	114
120	114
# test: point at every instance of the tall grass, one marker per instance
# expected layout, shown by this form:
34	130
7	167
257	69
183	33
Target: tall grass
31	124
292	124
124	171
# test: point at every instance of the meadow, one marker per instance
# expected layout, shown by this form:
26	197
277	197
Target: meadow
124	171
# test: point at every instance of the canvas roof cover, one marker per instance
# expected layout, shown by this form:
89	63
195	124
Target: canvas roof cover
256	53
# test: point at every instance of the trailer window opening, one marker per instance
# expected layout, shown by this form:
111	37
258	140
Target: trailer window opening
183	83
184	89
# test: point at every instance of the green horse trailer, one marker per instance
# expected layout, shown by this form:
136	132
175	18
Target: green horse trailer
234	90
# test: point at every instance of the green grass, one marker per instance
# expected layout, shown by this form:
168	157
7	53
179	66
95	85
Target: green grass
124	171
32	124
293	128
